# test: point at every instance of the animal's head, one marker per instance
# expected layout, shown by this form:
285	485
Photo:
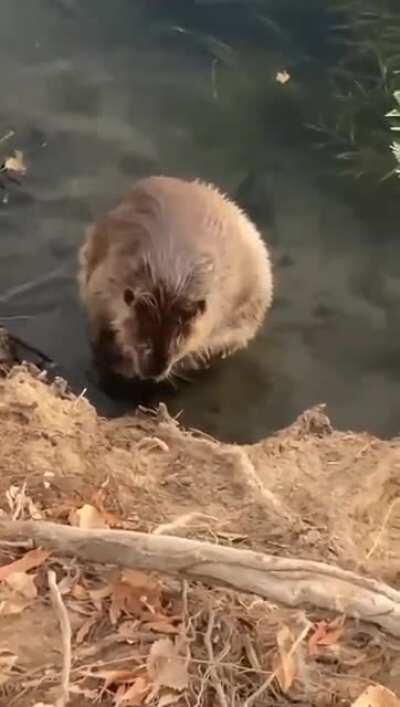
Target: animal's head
158	321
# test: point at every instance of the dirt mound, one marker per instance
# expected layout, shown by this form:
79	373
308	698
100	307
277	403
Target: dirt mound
307	492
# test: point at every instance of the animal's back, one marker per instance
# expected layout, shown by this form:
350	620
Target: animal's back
195	217
173	225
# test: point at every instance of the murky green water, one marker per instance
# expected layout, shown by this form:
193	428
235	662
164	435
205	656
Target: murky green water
97	98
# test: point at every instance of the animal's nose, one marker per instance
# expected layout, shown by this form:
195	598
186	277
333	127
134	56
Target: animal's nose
153	365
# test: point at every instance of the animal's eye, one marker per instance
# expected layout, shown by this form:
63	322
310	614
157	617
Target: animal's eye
200	306
128	296
192	311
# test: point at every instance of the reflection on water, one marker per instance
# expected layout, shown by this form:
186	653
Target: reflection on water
97	100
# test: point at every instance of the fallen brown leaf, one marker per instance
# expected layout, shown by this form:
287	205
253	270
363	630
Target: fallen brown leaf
114	677
14	605
62	510
287	667
129	630
97	595
325	634
90	695
162	627
166	667
31	559
133	594
83	631
142	581
80	593
168	698
124	600
7	662
377	696
89	517
134	695
23	584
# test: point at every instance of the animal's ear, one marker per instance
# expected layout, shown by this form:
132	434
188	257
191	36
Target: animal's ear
129	296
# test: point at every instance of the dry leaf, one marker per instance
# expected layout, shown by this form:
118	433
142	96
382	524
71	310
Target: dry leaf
100	593
287	668
16	163
282	76
23	584
85	628
133	594
31	559
162	627
169	698
124	600
34	511
377	696
89	517
128	631
90	695
166	667
114	677
7	662
134	695
147	587
97	595
14	605
79	592
325	634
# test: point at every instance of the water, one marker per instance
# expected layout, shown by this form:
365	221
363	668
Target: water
97	99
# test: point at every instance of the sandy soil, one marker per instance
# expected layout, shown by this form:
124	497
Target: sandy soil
309	492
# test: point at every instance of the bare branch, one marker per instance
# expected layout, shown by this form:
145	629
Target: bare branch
281	580
213	667
65	625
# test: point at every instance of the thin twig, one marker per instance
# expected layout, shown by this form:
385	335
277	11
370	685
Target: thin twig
254	697
44	279
382	528
251	653
26	544
65	625
212	667
17	501
7	136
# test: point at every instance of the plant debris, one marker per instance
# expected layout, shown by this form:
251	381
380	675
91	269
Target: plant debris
122	637
15	164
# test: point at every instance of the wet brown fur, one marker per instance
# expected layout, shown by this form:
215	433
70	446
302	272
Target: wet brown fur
178	265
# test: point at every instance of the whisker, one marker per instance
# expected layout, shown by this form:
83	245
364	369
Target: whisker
180	376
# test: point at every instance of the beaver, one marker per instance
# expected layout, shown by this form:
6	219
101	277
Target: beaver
173	277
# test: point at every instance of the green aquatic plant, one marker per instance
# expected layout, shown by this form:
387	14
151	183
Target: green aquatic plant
360	86
246	47
394	114
343	59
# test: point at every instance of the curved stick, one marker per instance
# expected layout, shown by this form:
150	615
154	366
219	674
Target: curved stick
281	580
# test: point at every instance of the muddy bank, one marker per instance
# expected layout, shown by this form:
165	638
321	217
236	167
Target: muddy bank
309	491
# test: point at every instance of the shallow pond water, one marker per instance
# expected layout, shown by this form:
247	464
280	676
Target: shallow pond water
96	100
